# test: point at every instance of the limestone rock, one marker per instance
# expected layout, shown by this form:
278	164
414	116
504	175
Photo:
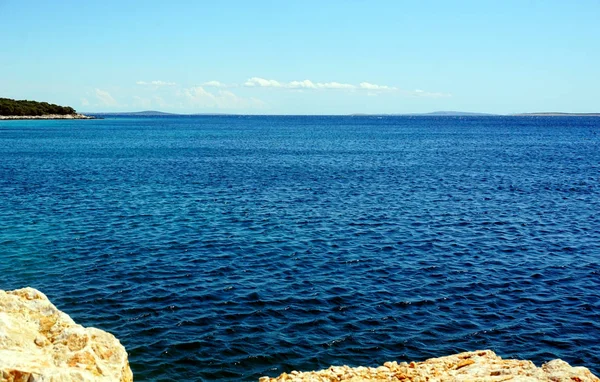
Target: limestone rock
46	116
477	366
39	343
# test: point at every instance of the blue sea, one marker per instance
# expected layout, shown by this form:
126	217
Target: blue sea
231	247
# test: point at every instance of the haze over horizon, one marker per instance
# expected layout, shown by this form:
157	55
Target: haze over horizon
268	57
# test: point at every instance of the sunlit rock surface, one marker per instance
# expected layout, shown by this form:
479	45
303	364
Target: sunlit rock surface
40	343
46	116
478	366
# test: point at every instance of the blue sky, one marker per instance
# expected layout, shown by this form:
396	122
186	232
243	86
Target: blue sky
303	57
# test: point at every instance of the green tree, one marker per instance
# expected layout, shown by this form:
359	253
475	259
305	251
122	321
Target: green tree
24	107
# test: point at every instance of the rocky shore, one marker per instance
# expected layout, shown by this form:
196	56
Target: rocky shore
47	116
40	343
477	366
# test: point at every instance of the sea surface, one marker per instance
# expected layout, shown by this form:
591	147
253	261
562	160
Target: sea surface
231	247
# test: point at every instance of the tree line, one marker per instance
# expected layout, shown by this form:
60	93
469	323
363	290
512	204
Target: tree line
23	107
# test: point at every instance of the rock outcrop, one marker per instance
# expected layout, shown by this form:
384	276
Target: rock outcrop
40	343
47	116
477	366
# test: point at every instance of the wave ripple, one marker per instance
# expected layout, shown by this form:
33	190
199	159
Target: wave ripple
225	248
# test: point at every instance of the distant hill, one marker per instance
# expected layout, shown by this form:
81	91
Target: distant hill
455	114
11	107
557	114
433	114
467	114
154	113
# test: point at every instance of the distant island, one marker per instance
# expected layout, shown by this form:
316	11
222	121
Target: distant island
13	109
24	109
455	114
155	113
557	114
468	114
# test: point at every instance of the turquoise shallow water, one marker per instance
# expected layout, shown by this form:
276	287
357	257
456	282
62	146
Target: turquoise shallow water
226	248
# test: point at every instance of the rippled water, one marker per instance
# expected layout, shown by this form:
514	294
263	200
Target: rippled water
223	248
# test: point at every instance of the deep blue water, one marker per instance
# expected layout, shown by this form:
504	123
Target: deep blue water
221	248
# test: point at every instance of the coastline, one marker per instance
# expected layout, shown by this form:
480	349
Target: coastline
46	116
39	342
480	365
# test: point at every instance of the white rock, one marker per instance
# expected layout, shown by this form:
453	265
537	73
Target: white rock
40	343
46	116
478	366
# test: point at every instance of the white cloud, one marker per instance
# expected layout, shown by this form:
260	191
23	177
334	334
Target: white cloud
155	83
105	98
85	102
305	84
335	86
308	84
216	84
374	87
163	83
198	97
261	82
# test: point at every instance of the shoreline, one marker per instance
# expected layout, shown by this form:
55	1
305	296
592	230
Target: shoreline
45	116
479	365
39	342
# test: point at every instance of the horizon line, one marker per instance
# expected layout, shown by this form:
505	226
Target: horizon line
433	113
